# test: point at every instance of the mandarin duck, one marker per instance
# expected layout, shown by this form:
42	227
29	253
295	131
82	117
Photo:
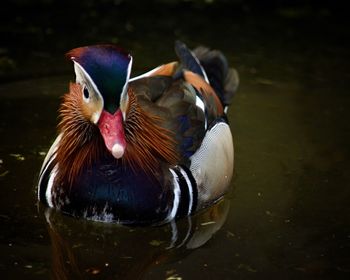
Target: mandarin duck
142	150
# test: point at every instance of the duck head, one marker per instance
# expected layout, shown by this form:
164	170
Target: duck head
103	73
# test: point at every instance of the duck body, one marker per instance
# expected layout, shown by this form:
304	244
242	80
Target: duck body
144	150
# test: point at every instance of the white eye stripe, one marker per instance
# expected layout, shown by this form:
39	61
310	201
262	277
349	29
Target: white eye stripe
84	79
94	100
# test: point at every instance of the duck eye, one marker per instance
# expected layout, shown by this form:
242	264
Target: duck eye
86	93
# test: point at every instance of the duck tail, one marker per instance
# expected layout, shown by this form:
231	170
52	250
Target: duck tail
223	79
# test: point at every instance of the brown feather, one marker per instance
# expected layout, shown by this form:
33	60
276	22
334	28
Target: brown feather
81	142
203	87
148	143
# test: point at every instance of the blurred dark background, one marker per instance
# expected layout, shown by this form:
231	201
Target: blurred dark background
36	33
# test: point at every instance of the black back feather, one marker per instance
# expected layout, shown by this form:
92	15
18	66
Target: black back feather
223	79
212	65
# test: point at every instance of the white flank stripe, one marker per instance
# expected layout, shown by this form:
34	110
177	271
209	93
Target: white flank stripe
177	194
48	160
190	190
42	175
51	151
49	186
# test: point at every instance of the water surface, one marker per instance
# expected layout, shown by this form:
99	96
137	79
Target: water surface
287	214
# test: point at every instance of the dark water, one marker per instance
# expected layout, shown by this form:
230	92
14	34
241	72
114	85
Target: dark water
288	213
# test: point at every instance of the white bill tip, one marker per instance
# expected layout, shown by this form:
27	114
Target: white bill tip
118	150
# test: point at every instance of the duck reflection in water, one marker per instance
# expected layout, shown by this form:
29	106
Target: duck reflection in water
84	249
